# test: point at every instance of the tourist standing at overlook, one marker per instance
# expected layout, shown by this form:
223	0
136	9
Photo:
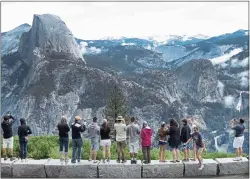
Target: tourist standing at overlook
192	126
200	145
120	133
239	137
63	129
77	129
146	135
162	132
174	139
94	133
185	135
105	140
23	132
133	133
8	121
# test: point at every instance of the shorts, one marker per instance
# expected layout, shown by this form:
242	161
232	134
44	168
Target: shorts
186	147
105	143
95	145
161	142
238	142
174	147
8	143
133	147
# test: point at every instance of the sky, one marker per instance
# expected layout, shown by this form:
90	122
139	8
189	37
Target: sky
98	20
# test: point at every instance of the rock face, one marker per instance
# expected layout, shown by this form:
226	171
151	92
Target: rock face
31	169
115	170
86	169
44	76
229	167
210	168
162	170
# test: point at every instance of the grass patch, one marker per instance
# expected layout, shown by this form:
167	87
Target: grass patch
43	147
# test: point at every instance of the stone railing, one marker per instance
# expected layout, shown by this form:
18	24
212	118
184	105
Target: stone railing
52	168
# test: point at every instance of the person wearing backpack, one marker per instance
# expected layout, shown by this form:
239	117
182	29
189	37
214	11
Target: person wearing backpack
8	140
23	132
94	133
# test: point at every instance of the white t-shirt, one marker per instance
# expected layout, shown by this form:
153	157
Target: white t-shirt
121	132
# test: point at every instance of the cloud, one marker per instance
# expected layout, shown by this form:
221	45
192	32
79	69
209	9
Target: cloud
89	50
226	57
229	101
239	63
243	76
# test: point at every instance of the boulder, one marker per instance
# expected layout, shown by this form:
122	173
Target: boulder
229	167
119	170
210	168
6	168
162	170
29	169
55	169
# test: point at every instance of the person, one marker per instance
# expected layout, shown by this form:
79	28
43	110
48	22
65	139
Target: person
174	139
63	129
185	135
105	140
8	140
23	132
162	132
77	129
146	135
200	145
133	133
239	137
121	135
94	133
192	126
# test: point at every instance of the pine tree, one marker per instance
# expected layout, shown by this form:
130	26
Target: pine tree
116	107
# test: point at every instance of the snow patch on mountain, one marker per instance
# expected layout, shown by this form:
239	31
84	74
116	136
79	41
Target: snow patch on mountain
229	101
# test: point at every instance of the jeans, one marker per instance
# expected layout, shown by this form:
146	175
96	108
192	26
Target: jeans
64	142
23	149
77	145
146	154
121	149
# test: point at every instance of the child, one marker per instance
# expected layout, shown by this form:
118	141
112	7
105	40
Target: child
200	145
185	135
146	134
162	132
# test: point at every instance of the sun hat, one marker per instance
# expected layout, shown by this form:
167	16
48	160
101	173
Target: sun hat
119	118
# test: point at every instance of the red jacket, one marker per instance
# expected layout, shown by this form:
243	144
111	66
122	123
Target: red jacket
146	134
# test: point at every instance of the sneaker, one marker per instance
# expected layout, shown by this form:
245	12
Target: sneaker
79	161
12	158
173	161
108	160
90	160
124	161
236	159
95	161
201	167
118	161
66	160
178	161
5	158
188	159
135	161
145	162
61	160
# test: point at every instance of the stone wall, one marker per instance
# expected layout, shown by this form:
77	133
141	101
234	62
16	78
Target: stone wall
51	168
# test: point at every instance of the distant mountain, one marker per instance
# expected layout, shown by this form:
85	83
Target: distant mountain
47	72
